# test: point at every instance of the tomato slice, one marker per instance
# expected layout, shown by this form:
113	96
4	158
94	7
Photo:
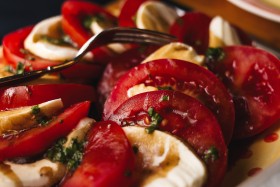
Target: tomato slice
108	159
14	53
74	13
128	12
193	29
20	96
119	66
252	76
182	76
37	140
184	117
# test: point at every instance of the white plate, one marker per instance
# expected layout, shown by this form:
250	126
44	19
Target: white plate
260	8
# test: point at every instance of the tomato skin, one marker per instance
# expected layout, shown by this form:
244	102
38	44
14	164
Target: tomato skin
20	96
119	66
128	12
193	29
37	140
186	118
201	84
252	76
108	156
12	46
73	13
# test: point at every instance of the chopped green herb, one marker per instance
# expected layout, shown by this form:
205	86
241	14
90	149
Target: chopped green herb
41	119
20	68
63	41
164	98
215	54
211	154
71	155
23	51
87	21
134	18
35	109
155	120
135	149
164	88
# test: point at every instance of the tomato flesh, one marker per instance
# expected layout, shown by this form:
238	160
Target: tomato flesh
182	76
108	160
184	117
193	29
20	96
37	140
252	76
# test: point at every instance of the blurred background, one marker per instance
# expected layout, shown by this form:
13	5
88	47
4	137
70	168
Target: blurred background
15	14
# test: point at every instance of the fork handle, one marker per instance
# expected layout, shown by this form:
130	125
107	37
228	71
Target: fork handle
20	78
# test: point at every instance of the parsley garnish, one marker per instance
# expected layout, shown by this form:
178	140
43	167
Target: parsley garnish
63	41
164	88
71	155
164	98
35	109
215	54
211	154
20	68
155	120
41	119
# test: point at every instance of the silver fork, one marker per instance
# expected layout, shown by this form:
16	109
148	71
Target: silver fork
113	35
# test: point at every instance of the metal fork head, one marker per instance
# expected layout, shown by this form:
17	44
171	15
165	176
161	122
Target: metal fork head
113	35
125	35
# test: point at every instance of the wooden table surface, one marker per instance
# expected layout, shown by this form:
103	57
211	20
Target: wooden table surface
265	30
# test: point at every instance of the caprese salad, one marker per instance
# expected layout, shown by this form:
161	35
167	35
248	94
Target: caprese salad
153	116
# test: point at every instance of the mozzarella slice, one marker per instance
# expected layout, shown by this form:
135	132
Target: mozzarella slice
176	50
222	33
41	173
23	118
35	44
139	88
165	160
154	15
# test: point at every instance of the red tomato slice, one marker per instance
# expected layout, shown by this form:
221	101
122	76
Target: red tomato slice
182	76
193	29
74	13
184	117
128	12
37	140
253	76
20	96
119	66
108	160
13	51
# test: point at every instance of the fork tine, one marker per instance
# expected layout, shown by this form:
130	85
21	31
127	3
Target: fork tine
167	38
133	31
